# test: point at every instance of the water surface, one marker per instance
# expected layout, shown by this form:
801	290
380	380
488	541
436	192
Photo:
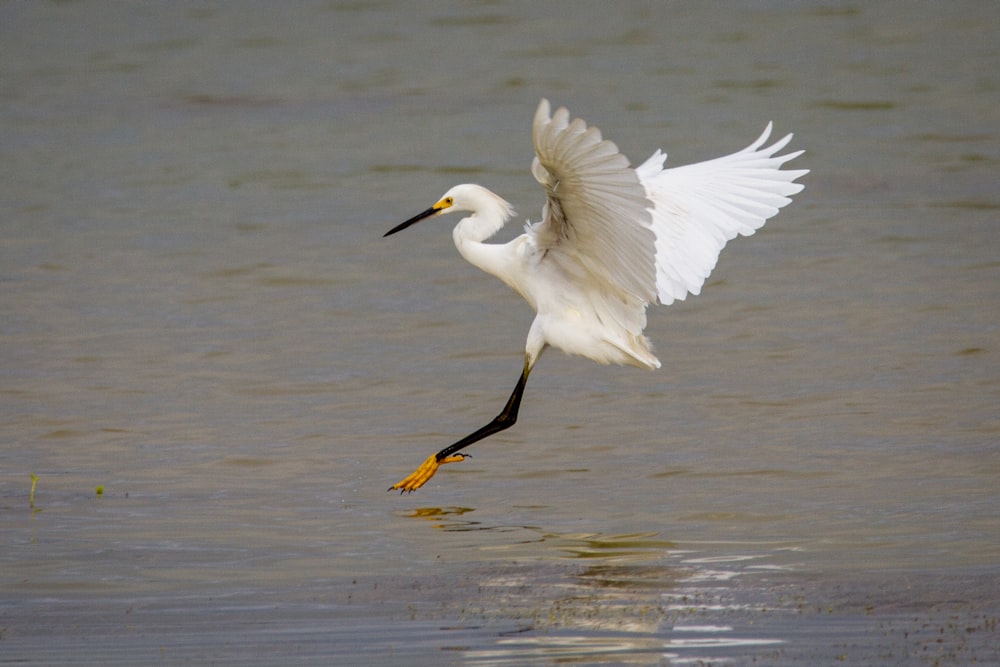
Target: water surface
199	316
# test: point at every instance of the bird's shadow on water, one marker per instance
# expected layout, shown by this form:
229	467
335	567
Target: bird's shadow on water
579	596
542	544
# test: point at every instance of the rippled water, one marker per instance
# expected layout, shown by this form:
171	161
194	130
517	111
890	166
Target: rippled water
199	317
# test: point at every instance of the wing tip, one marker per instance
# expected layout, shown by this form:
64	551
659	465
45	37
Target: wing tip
544	110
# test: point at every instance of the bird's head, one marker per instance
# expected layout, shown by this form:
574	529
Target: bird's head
465	197
444	205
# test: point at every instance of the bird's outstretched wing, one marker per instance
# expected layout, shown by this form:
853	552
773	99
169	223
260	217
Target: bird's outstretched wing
596	215
697	208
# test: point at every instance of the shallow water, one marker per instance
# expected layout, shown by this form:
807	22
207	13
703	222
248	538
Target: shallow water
199	316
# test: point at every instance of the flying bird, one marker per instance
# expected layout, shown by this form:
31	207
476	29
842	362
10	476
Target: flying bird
612	240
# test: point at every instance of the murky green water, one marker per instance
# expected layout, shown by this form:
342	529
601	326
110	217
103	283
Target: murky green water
199	315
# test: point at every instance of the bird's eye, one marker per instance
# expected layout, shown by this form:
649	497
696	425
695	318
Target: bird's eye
449	201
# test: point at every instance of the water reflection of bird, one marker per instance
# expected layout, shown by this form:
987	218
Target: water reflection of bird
612	240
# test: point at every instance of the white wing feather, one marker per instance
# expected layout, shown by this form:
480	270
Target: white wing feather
697	208
597	217
629	237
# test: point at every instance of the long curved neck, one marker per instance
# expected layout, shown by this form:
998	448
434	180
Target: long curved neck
470	233
490	215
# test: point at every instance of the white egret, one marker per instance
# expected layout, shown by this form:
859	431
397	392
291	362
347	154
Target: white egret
612	240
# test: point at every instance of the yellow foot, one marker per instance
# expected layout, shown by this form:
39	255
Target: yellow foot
426	470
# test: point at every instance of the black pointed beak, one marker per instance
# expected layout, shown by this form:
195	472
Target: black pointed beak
412	221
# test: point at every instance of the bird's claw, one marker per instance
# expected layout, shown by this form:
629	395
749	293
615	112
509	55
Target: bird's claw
426	470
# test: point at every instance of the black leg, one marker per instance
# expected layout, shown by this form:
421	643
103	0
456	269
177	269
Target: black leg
502	421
